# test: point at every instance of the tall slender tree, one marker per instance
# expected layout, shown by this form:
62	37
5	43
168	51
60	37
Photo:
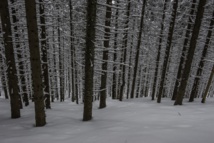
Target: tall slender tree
159	50
76	80
114	82
130	62
185	46
168	48
190	53
72	53
138	49
89	58
44	54
196	82
61	53
125	43
10	59
208	86
33	38
4	82
19	55
105	54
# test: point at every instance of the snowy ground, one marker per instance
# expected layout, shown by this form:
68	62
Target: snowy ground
131	121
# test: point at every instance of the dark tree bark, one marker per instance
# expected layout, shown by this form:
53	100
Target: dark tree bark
89	59
5	92
168	48
125	42
138	84
190	54
72	54
130	63
183	56
3	73
52	71
9	53
138	49
44	54
114	82
1	76
196	82
159	50
4	84
69	80
208	86
55	69
76	82
146	94
61	57
107	34
20	58
35	60
3	79
61	74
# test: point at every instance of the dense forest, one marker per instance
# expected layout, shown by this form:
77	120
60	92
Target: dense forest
84	51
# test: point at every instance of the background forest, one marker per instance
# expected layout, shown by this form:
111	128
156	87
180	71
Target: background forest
91	50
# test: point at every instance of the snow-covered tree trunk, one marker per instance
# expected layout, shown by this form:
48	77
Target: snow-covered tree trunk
138	49
44	54
168	48
159	51
124	54
185	47
114	80
190	53
20	58
106	42
208	86
195	87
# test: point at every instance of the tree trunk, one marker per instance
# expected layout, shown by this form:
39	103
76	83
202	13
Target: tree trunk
105	55
4	81
130	63
76	82
138	49
183	56
44	54
208	86
168	48
159	50
61	56
89	59
5	92
140	71
11	65
125	40
72	54
20	56
55	68
35	62
190	54
196	82
114	82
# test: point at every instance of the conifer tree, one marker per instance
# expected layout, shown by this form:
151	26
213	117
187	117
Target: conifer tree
89	59
10	59
168	48
190	53
35	60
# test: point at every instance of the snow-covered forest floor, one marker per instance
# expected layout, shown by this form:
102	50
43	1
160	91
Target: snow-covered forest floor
130	121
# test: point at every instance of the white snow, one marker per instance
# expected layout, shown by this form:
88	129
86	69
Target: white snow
130	121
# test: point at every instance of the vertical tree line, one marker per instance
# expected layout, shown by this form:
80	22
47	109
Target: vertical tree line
53	51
